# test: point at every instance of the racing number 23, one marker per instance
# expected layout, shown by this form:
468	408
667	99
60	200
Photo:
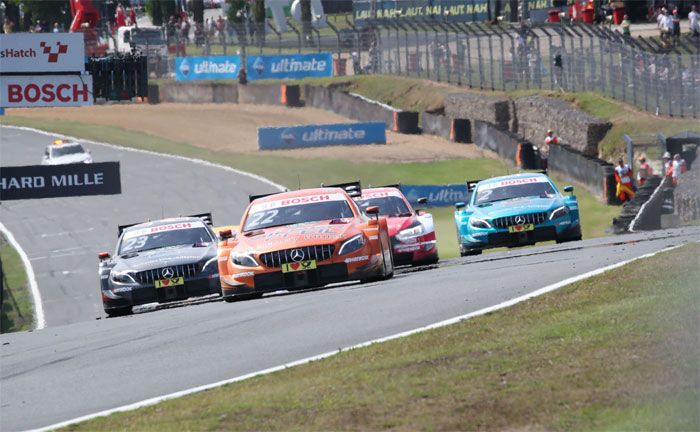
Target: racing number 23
134	243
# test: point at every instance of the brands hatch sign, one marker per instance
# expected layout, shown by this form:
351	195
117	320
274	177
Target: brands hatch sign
42	52
51	181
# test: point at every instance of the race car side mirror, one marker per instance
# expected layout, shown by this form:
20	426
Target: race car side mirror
460	205
372	210
422	200
568	188
103	256
225	234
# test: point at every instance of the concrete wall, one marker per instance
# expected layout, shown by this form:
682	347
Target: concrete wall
198	93
507	144
259	94
472	106
457	130
537	114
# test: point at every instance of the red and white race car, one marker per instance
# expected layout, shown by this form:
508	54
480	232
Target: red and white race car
412	232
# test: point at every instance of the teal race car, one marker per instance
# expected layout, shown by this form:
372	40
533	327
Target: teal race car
515	210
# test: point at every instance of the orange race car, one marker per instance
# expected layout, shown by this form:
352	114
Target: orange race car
302	239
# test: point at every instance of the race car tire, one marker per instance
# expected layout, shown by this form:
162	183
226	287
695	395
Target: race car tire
575	236
242	297
117	312
386	274
470	252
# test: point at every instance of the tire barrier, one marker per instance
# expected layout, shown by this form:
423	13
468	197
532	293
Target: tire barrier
290	95
118	77
457	130
644	209
595	174
507	144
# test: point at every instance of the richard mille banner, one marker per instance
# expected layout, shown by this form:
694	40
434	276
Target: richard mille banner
51	181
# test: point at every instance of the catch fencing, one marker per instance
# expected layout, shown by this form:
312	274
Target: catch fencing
662	78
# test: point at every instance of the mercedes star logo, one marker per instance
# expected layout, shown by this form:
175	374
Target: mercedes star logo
167	273
297	255
520	220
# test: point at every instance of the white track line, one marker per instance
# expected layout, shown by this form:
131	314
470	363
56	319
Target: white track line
36	296
539	292
33	288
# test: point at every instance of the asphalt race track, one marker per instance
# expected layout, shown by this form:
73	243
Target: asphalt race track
88	365
62	236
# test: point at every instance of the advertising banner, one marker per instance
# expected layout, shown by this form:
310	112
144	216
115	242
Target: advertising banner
42	52
451	10
207	68
321	135
290	66
50	181
438	195
18	91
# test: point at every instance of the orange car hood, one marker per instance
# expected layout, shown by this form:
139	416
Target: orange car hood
290	236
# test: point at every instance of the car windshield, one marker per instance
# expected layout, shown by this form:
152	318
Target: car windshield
388	206
66	149
142	239
294	214
490	194
147	36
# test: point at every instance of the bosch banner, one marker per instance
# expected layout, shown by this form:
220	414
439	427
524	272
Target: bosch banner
289	66
50	181
438	195
18	91
451	10
321	135
42	52
207	68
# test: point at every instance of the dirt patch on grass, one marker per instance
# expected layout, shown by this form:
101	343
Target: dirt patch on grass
233	127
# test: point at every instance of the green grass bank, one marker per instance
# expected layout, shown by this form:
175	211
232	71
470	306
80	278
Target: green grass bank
17	313
618	351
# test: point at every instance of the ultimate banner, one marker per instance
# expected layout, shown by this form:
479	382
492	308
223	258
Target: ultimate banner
51	181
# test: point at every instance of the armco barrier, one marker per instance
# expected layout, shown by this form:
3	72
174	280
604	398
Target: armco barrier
595	174
506	144
457	130
278	138
438	195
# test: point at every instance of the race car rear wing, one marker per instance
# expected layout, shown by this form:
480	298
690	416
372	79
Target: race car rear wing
205	217
353	189
252	198
471	184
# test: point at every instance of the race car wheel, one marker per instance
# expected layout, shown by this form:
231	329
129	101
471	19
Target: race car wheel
117	312
242	297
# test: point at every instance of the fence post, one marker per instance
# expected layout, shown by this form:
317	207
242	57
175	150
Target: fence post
681	93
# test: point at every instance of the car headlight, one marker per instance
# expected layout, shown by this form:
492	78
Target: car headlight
243	259
559	212
124	277
479	223
352	244
209	262
410	232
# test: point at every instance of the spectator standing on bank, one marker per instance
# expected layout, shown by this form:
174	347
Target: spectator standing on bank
645	170
676	21
242	76
626	24
623	177
693	17
8	25
549	140
56	28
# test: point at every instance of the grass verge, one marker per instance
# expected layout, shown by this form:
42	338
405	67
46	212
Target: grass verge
618	351
17	313
294	173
